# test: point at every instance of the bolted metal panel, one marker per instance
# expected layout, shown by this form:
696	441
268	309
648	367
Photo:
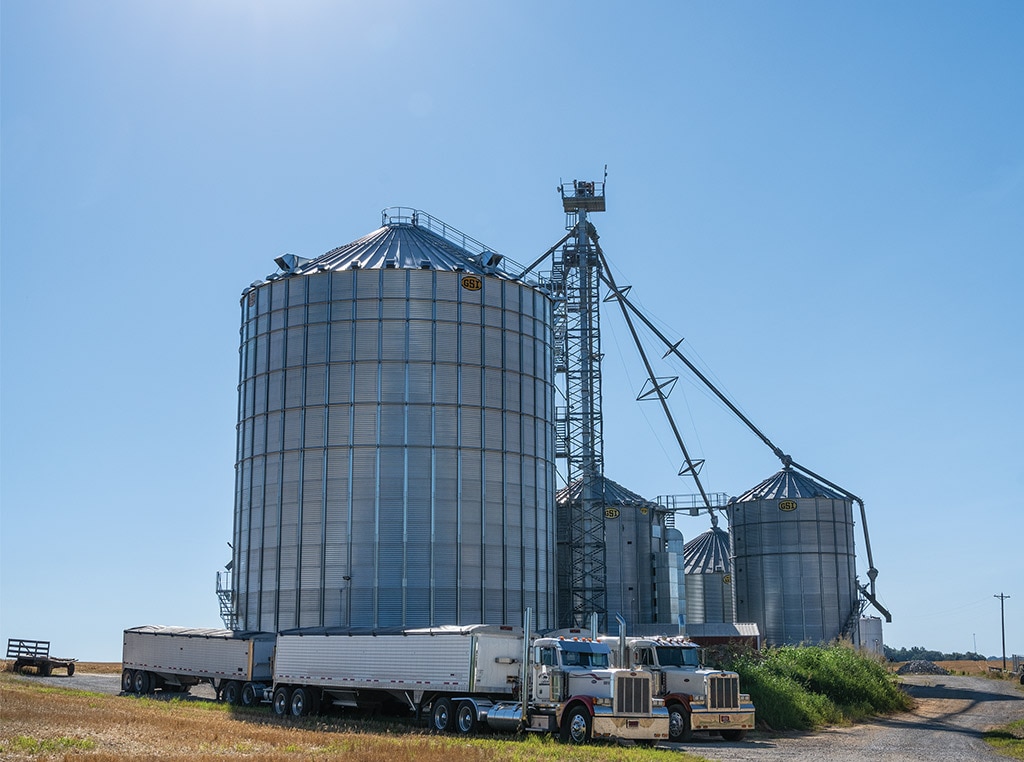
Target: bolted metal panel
794	560
395	460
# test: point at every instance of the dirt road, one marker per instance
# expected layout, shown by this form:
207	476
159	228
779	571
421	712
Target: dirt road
946	726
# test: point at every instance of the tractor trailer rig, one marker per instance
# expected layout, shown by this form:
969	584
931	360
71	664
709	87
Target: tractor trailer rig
697	698
467	678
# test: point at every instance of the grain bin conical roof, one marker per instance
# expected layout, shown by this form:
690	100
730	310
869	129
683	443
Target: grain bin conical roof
708	553
409	240
614	494
787	483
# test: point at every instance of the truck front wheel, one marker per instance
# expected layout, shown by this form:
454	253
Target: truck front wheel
442	718
576	726
679	729
282	700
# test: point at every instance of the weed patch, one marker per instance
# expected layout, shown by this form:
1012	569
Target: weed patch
30	745
1008	740
801	688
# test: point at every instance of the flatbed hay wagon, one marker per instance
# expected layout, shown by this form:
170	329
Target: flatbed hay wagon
36	653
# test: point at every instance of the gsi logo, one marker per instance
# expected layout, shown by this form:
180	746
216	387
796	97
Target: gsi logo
472	283
787	505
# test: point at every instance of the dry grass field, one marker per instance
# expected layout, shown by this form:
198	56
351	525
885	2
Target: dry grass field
42	723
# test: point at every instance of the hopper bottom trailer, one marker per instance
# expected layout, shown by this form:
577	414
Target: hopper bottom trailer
236	664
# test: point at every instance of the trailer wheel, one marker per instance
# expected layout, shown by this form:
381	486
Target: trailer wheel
71	668
465	718
231	692
679	729
733	735
282	700
249	695
142	682
127	681
44	670
442	718
300	703
576	727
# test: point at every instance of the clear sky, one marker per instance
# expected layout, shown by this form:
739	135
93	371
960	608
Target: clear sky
825	199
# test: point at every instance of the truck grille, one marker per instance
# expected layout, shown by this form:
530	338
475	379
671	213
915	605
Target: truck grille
633	694
723	692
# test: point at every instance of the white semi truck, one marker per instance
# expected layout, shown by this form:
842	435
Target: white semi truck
467	678
697	699
236	664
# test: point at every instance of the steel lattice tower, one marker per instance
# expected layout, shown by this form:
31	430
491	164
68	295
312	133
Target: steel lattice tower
581	528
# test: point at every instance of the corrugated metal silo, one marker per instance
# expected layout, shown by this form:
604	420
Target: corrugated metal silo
794	560
628	532
395	447
710	594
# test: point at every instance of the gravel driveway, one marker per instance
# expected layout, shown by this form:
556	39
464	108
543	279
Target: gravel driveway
946	726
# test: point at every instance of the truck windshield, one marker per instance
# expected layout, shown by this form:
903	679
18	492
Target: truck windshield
585	659
670	656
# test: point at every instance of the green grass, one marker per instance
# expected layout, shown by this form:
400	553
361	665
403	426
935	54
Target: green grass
1008	740
805	687
29	745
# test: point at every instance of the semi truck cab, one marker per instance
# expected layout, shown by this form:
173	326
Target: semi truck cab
575	688
697	698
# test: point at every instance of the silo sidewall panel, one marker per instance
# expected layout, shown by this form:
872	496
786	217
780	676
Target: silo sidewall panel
395	453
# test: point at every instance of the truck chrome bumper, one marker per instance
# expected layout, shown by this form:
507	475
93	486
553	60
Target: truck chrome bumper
655	727
729	719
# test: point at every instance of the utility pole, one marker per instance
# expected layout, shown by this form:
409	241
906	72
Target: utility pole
1002	621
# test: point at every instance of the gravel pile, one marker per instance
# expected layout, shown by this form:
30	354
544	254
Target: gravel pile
921	668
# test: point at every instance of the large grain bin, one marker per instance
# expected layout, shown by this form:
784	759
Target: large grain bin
710	594
794	560
395	447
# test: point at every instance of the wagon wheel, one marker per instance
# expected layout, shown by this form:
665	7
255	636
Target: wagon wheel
71	668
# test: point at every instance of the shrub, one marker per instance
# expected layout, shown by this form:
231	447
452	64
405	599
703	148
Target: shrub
799	688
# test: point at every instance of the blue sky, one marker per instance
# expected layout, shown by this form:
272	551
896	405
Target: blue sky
825	199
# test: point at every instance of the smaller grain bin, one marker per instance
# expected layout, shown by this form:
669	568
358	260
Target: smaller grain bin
710	594
794	560
629	521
